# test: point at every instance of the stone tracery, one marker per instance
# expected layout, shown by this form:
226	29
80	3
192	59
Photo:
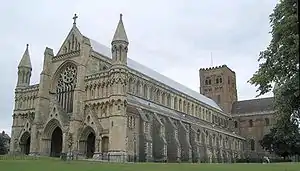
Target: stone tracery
65	87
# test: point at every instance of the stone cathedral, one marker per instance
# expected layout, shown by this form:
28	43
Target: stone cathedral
98	103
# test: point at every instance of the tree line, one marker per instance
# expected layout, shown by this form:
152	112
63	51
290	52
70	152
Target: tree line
279	66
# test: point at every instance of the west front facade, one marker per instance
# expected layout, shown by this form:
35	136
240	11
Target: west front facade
96	102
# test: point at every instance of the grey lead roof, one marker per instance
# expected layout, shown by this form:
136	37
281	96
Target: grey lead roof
103	50
253	105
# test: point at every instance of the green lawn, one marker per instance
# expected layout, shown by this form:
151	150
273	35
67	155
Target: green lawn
57	165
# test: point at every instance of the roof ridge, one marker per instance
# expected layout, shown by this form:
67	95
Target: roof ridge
264	98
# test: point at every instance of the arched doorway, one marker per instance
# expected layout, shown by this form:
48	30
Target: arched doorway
25	143
87	142
90	145
56	142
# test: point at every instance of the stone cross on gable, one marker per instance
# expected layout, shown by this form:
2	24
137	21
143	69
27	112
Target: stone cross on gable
74	18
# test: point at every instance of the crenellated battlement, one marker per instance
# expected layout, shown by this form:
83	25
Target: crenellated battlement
213	68
216	67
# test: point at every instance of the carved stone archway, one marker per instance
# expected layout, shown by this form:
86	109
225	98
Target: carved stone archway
87	142
52	138
25	143
56	142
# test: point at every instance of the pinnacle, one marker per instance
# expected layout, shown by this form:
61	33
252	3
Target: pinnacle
25	61
120	34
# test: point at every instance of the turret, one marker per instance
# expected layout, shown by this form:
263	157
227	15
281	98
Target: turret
119	44
24	70
118	79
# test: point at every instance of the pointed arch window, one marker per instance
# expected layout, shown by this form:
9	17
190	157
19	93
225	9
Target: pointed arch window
267	121
69	46
250	123
145	91
180	105
193	110
137	89
151	93
175	103
198	135
163	98
235	124
184	106
65	86
252	144
157	98
169	100
130	85
73	42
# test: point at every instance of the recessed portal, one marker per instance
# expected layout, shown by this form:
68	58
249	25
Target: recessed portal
56	142
25	143
27	146
90	145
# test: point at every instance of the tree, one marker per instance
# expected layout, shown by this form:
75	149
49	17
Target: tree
3	148
283	140
280	65
280	61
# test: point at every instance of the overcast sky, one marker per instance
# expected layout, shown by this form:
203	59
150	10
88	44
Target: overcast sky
174	38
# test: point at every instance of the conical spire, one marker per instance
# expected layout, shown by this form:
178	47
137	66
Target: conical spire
25	61
120	34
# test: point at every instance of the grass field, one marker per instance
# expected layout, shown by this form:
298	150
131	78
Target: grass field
57	165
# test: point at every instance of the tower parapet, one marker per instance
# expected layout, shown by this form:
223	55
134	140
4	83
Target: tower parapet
219	84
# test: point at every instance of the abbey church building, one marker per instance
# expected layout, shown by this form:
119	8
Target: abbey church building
114	107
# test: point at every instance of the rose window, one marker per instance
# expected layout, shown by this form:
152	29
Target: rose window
69	74
65	87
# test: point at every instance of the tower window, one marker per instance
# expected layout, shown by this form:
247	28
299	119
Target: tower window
209	81
198	135
219	80
252	144
219	98
235	124
250	123
267	121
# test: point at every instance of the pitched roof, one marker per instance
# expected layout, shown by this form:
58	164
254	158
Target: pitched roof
105	51
253	106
